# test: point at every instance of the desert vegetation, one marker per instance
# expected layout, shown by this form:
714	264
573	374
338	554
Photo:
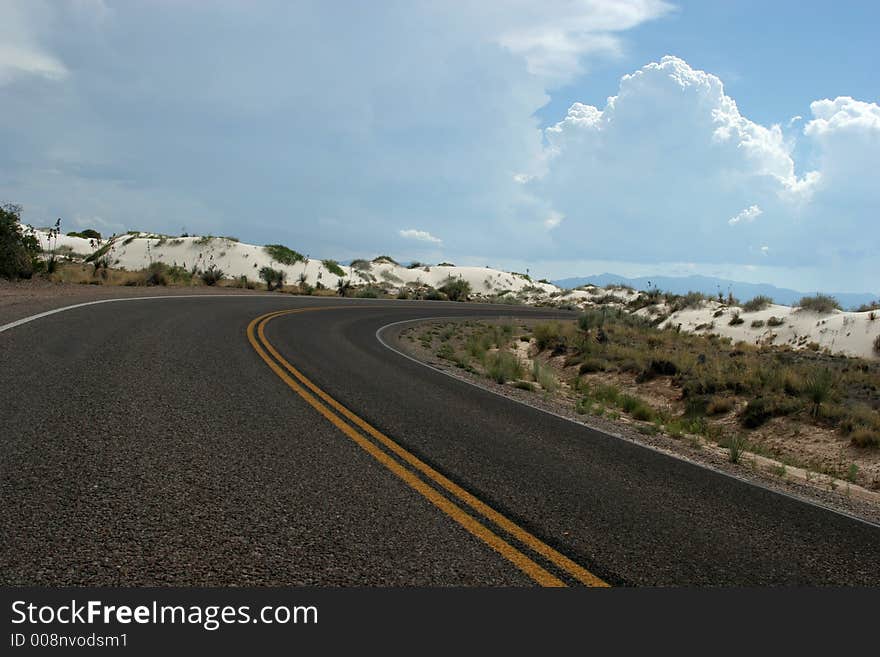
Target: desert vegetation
283	254
803	408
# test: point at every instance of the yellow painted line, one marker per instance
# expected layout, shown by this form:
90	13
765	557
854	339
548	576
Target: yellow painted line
574	569
517	558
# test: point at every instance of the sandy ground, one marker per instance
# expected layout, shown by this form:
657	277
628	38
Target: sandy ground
805	484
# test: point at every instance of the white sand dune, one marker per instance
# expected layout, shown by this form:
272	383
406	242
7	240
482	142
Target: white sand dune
839	332
850	333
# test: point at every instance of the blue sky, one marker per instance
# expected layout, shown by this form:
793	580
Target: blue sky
476	132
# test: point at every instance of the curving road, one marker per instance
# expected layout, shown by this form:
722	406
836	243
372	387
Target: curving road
152	442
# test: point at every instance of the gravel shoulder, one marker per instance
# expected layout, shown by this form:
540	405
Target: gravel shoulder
818	489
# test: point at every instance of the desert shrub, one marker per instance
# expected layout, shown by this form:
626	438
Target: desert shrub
368	292
243	283
719	405
432	294
775	321
761	409
877	345
360	264
736	320
415	264
864	437
446	264
820	303
503	366
689	300
156	274
283	254
867	307
274	278
657	367
212	275
386	259
818	388
591	365
758	323
637	408
88	234
524	385
456	289
549	336
757	303
19	251
204	240
736	445
544	375
333	267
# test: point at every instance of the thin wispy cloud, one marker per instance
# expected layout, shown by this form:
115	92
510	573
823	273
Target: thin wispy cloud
419	236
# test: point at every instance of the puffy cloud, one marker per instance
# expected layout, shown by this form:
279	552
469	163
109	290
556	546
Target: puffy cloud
419	235
846	133
651	175
748	215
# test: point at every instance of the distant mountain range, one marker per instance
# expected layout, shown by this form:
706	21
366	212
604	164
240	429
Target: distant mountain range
711	285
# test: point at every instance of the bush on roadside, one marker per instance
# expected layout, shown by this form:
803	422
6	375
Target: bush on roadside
19	251
212	275
503	366
456	289
274	278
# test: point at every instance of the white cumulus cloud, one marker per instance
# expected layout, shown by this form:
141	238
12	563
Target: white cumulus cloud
419	235
748	215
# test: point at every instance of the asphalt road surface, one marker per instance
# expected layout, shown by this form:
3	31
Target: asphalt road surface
159	442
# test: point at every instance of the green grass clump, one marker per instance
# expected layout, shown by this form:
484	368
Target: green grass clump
333	267
818	388
503	366
100	253
283	254
736	445
820	303
544	375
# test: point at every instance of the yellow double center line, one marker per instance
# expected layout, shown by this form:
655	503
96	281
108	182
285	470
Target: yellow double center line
335	412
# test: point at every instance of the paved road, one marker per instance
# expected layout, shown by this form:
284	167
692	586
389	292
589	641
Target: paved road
147	442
